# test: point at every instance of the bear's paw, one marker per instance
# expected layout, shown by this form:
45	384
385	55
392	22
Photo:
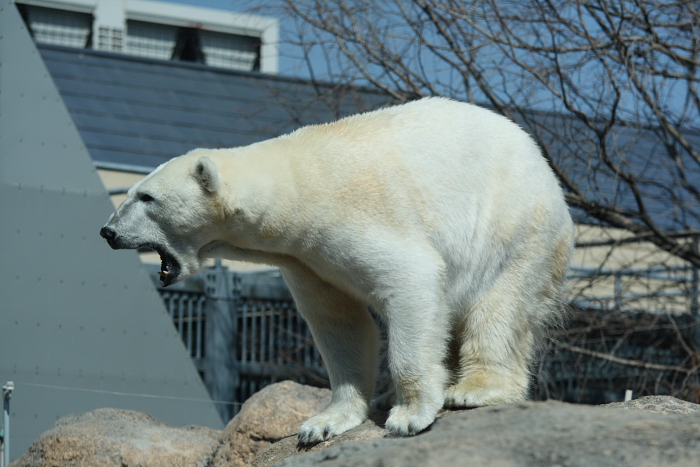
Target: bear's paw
486	389
410	419
328	424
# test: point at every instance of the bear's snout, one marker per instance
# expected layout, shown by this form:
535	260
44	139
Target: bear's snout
110	235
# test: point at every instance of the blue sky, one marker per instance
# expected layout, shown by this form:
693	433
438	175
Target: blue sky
290	66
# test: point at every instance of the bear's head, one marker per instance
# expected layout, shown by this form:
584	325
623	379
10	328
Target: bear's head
173	211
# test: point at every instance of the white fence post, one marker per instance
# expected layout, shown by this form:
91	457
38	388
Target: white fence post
6	395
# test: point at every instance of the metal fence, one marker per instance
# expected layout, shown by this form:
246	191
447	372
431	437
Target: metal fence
604	353
187	310
655	289
634	328
244	332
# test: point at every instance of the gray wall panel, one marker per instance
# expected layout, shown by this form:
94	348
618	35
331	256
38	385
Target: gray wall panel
81	326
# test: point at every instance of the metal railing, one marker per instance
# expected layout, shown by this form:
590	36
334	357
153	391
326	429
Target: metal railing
657	289
243	331
187	310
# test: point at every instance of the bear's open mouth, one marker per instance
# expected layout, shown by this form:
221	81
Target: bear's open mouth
169	267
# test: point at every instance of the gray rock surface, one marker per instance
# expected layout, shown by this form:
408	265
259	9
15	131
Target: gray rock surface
650	431
529	434
268	416
120	438
288	447
657	404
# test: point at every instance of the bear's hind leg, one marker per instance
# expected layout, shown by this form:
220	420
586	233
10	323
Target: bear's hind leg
495	348
347	338
496	337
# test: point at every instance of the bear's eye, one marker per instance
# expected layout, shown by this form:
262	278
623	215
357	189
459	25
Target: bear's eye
145	197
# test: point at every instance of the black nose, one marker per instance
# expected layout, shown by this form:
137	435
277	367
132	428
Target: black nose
108	234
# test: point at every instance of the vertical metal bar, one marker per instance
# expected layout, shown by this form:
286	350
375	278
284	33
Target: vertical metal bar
307	347
221	371
6	396
288	343
181	316
298	338
618	291
263	331
244	334
253	332
271	342
190	323
234	307
200	324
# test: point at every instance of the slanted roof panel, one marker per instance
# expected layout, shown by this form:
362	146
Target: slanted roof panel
81	326
640	152
143	112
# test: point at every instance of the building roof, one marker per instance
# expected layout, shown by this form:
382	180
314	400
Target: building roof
665	184
135	113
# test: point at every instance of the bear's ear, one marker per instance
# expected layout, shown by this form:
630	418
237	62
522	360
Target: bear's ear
207	174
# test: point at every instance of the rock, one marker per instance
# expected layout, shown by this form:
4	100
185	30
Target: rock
123	438
657	404
533	433
120	438
269	415
651	431
288	447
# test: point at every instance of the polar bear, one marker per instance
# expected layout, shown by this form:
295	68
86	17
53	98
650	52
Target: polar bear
442	216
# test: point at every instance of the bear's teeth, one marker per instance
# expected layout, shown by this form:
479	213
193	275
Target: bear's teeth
163	273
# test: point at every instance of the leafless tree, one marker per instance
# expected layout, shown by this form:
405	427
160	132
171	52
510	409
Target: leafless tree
608	88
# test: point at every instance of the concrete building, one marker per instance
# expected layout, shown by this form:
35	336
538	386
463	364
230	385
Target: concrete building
157	30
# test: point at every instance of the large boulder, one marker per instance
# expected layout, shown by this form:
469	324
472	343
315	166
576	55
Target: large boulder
120	438
651	431
373	428
288	447
528	434
269	415
657	404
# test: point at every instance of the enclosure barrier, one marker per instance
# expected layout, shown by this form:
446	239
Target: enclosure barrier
243	332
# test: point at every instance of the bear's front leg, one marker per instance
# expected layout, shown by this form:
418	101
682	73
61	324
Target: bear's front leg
417	322
347	338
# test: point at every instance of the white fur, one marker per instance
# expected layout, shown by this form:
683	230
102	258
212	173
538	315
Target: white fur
442	216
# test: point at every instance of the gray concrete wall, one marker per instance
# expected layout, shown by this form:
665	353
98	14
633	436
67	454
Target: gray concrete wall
81	326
